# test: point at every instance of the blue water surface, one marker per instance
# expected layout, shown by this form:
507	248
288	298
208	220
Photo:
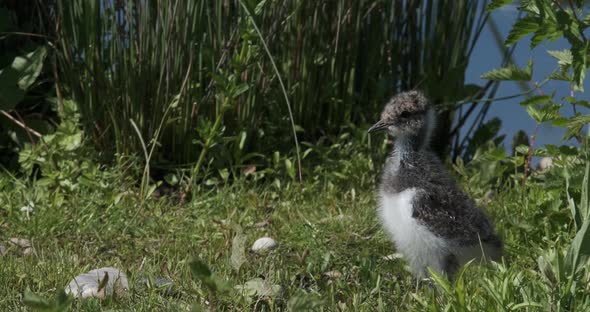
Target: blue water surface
487	56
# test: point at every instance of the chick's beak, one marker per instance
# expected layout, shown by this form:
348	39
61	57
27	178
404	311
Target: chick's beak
380	125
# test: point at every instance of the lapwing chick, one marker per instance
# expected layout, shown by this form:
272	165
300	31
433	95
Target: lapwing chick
433	223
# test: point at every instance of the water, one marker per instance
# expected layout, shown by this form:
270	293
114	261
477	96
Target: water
487	56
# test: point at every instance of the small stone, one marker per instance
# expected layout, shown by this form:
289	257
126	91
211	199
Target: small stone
29	208
262	224
333	274
264	244
20	242
24	244
86	285
545	164
3	250
27	251
250	169
393	256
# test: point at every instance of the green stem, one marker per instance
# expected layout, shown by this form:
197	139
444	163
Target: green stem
205	149
208	141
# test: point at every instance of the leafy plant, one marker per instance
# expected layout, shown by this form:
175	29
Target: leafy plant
233	65
25	115
61	302
550	20
213	284
59	159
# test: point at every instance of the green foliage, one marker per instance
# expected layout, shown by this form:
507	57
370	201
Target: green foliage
202	273
61	302
340	238
59	158
24	85
550	20
330	258
496	4
564	265
511	72
332	255
239	62
16	79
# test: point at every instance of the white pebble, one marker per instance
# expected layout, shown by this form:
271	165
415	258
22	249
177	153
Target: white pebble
29	208
264	244
20	242
86	285
545	163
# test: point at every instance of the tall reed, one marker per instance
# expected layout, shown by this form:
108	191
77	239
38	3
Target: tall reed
340	59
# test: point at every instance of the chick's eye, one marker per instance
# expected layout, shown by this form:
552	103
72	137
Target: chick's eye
405	115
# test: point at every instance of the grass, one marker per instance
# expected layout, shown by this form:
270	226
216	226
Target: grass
331	252
167	63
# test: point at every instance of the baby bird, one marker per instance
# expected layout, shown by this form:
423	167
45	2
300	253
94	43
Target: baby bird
433	223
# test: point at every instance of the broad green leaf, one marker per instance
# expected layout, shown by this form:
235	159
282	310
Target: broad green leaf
580	247
568	23
495	4
240	89
171	179
575	212
511	73
174	101
200	269
529	6
36	302
547	31
575	125
290	168
561	74
201	272
71	142
583	207
29	67
537	99
574	101
544	113
62	300
303	302
564	57
546	267
521	28
243	137
259	287
522	149
19	76
580	63
441	281
583	103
